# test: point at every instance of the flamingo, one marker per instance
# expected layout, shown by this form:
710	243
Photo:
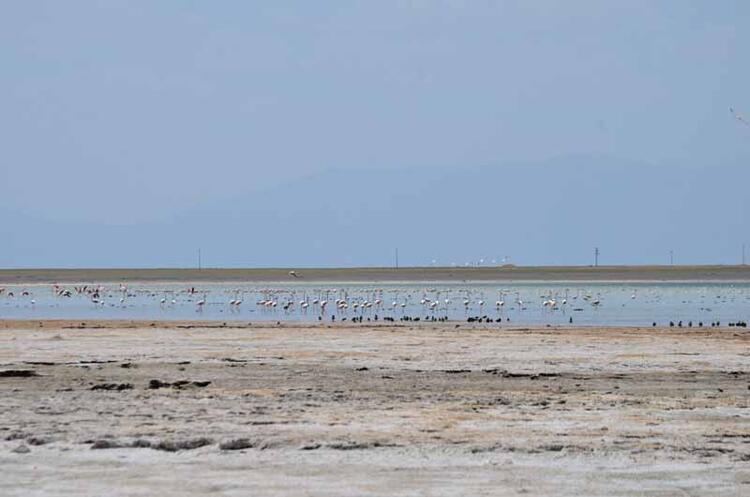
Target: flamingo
739	117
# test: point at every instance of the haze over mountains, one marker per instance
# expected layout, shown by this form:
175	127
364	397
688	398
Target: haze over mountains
552	212
331	133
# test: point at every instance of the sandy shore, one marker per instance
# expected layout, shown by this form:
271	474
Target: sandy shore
505	273
119	408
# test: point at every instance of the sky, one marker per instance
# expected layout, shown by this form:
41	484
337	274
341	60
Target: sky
331	133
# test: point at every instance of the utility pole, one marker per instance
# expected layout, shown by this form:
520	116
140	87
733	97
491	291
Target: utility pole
199	259
671	257
743	254
396	257
596	256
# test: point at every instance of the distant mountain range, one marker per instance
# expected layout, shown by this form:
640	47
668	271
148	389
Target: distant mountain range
548	213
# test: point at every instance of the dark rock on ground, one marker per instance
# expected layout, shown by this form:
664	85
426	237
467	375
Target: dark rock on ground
351	445
156	384
174	446
18	373
16	435
112	386
310	446
106	444
238	444
37	441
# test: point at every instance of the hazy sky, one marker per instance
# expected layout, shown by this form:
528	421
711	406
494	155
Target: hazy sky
121	120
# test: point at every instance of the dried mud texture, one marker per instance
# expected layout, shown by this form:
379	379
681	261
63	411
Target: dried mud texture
389	410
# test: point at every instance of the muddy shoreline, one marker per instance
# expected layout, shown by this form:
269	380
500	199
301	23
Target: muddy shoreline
726	273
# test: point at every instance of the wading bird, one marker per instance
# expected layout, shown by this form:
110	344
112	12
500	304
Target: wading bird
739	117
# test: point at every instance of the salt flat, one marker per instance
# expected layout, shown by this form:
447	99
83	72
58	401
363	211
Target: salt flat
141	408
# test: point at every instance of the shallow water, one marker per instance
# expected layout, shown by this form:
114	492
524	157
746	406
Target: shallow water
522	303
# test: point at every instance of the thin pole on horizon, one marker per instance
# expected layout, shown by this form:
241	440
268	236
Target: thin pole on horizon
199	260
596	256
743	254
396	257
671	257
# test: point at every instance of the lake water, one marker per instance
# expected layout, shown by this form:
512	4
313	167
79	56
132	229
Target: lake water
612	303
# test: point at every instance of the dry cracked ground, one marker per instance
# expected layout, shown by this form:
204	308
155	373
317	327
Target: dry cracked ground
194	409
